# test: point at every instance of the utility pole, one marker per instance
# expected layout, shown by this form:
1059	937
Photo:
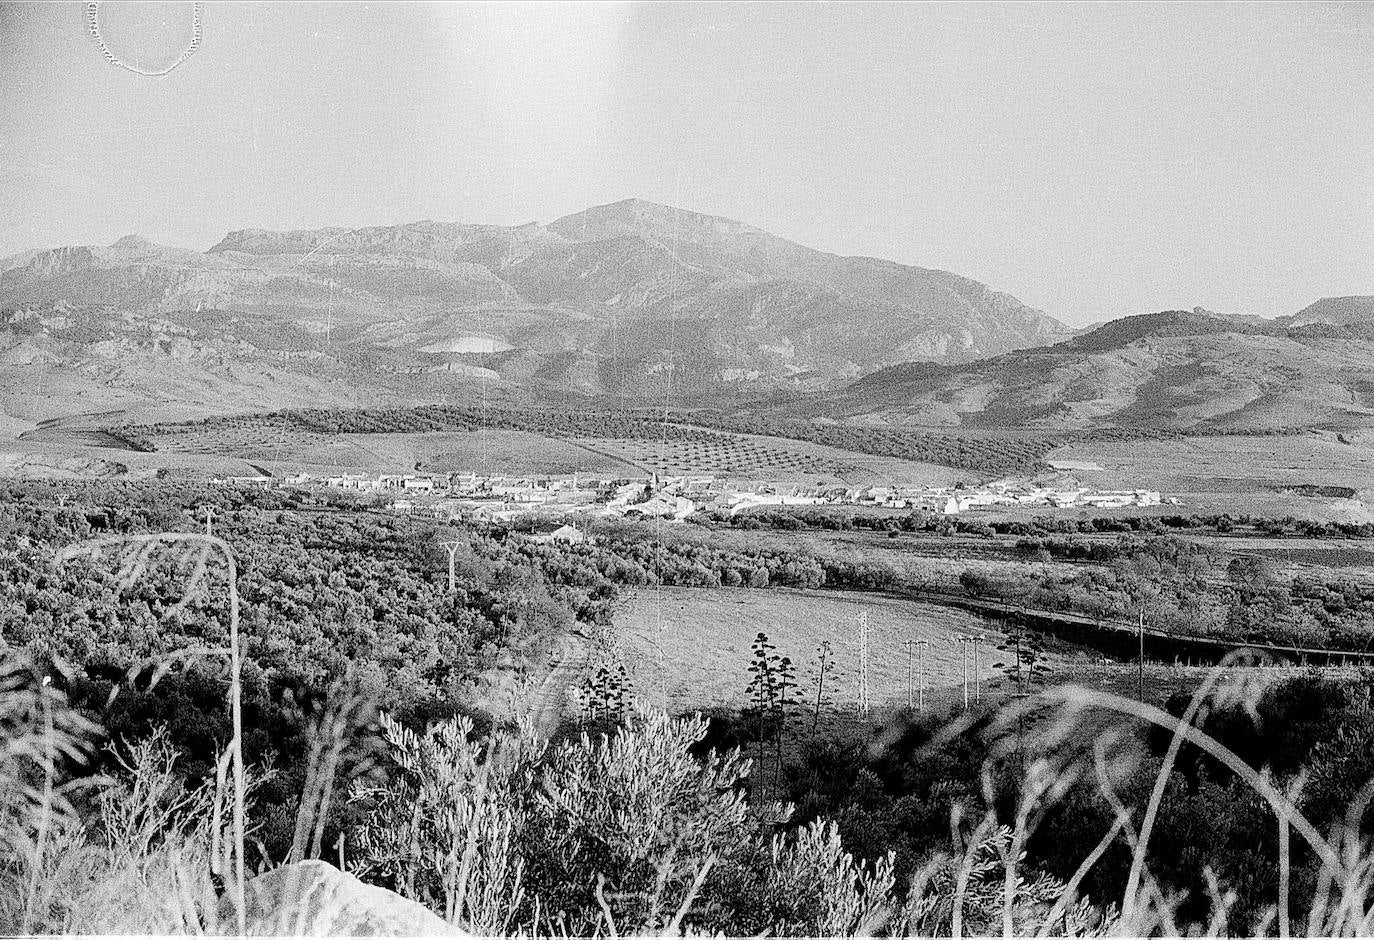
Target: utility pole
963	639
921	647
863	664
1140	669
910	675
968	649
977	677
452	548
209	517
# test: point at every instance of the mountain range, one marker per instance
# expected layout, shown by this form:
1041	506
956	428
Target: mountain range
615	299
642	303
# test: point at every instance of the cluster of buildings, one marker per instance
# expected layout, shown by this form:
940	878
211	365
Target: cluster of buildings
950	500
498	498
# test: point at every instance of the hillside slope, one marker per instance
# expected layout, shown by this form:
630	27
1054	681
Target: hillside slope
1174	369
1338	311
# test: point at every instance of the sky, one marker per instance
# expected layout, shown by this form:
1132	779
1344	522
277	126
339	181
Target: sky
1093	160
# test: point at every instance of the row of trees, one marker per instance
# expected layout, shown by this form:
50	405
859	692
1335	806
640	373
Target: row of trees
1041	527
981	453
1189	588
604	424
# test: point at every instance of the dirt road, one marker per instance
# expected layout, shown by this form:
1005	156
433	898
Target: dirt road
551	698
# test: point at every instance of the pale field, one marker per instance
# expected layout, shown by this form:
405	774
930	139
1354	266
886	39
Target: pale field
56	460
690	647
509	453
1238	474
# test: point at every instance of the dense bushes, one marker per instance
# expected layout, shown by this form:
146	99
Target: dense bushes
632	833
1043	527
1310	729
1185	587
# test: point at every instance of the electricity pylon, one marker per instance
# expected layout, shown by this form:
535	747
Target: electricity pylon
452	548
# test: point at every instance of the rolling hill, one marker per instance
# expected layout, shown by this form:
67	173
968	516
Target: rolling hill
1171	370
613	300
1336	311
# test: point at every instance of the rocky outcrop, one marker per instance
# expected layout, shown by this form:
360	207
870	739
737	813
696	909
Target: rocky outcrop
315	899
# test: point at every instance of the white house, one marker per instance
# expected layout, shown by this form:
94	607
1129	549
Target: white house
569	534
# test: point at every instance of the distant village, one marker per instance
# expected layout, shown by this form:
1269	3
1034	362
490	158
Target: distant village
505	499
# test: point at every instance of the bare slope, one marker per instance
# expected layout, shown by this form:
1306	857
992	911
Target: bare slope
1168	370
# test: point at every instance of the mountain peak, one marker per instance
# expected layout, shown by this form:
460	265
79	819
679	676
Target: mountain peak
133	242
136	248
640	216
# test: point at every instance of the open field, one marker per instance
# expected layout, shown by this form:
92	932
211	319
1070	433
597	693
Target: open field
1239	474
52	460
690	647
488	452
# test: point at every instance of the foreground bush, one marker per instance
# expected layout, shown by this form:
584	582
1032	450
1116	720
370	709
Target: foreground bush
632	832
629	832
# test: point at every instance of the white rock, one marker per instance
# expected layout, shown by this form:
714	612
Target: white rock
315	899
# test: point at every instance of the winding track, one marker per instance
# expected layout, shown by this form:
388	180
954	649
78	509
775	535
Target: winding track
546	705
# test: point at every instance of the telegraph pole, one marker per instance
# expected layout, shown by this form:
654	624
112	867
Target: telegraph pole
977	679
1140	669
863	664
910	674
963	640
977	666
921	647
968	649
452	548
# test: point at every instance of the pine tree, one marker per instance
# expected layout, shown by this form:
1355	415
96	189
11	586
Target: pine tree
1028	666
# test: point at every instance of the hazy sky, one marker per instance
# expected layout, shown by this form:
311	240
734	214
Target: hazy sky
1093	160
